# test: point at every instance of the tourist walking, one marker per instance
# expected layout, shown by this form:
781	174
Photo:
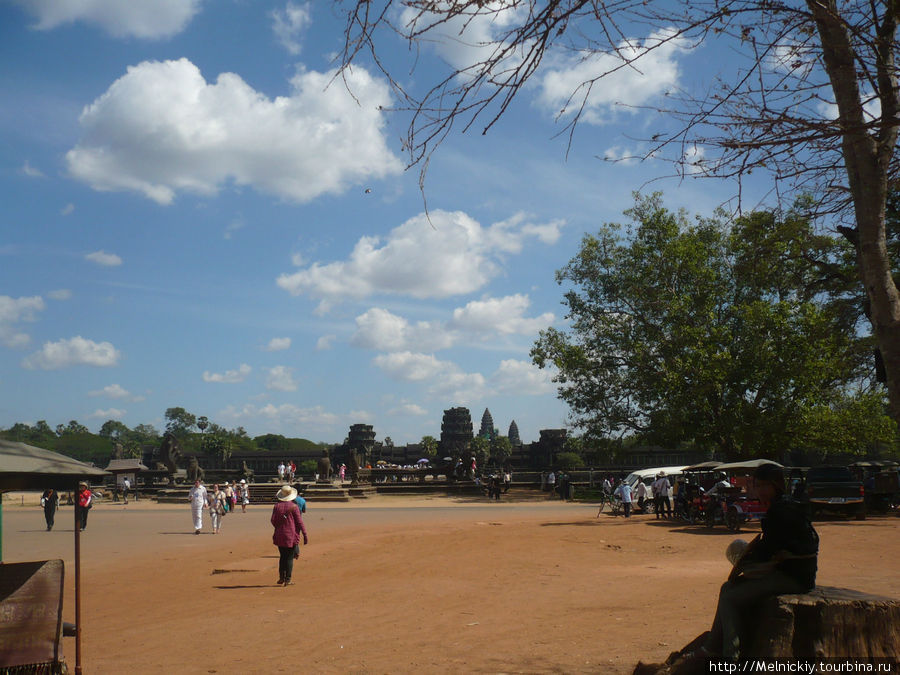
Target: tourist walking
198	499
229	497
281	470
126	487
301	503
50	502
245	495
217	508
288	524
624	493
84	500
661	488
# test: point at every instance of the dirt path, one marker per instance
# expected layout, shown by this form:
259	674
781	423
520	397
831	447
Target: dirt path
403	586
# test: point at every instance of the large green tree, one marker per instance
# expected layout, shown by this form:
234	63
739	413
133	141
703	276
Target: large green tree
724	334
180	422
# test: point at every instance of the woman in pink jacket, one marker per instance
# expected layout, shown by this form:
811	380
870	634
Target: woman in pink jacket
288	524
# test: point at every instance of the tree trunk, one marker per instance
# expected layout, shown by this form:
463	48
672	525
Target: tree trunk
867	156
826	623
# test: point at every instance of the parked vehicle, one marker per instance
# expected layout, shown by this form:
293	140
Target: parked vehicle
737	504
881	482
833	488
691	500
649	475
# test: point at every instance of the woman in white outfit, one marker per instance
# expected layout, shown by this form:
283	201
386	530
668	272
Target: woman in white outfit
197	496
217	508
245	495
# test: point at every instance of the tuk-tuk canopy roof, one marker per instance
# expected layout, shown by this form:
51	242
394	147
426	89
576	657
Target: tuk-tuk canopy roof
703	466
749	465
876	464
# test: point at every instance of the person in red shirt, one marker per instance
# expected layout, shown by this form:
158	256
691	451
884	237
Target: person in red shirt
288	524
83	503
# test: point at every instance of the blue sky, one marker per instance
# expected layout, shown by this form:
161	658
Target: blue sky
194	215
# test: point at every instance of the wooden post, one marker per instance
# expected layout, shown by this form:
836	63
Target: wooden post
77	587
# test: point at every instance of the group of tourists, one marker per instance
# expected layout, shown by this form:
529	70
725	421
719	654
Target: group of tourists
658	493
287	472
219	502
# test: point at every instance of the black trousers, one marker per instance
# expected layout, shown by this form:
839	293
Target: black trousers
286	562
82	514
49	515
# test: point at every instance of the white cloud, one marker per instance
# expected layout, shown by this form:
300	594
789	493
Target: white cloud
232	227
67	210
111	391
281	378
445	378
466	38
381	330
288	25
408	409
104	259
14	311
161	128
411	367
285	416
73	352
523	378
120	18
30	171
111	414
651	76
500	315
278	344
60	294
229	376
325	342
623	155
444	255
694	159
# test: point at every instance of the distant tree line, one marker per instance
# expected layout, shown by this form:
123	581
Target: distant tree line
197	435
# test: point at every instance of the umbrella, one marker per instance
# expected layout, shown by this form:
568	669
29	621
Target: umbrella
423	461
25	467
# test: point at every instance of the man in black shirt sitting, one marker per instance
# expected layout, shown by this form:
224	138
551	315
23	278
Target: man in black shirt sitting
782	560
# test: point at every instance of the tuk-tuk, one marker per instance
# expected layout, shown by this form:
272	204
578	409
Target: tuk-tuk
737	504
696	479
881	482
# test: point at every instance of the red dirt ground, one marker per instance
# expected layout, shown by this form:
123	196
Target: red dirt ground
397	585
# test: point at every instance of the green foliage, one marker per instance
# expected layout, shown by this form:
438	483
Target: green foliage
272	442
501	450
569	461
716	333
429	446
855	425
179	422
114	430
307	467
480	448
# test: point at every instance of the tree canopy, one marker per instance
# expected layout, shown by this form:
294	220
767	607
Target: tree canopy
734	335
